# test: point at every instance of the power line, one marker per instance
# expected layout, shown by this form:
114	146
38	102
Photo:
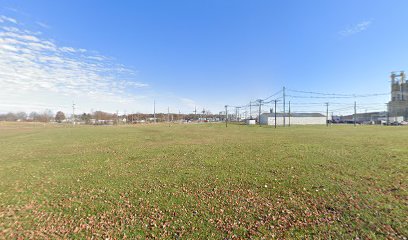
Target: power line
342	104
338	94
278	92
318	93
336	97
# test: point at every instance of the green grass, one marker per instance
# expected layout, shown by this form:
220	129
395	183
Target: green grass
203	181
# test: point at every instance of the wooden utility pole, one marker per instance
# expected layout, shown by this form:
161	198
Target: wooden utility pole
284	107
168	114
195	112
260	109
226	115
355	113
250	110
327	114
73	113
275	112
289	114
154	111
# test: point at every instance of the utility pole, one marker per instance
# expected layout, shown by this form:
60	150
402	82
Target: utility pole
284	102
289	114
168	114
202	114
275	112
73	113
327	114
195	112
226	115
250	110
154	111
355	112
388	114
260	109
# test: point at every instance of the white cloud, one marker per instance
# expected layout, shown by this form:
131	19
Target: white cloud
97	58
37	73
357	28
36	70
136	84
67	49
7	19
43	25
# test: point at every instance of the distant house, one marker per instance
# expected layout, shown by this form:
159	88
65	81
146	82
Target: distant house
293	119
101	122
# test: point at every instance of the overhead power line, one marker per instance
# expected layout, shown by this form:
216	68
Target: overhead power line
278	92
333	96
338	94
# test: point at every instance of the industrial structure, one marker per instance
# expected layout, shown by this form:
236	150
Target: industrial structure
398	106
367	118
293	119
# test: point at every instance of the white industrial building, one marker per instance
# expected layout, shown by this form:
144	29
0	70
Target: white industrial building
293	119
250	121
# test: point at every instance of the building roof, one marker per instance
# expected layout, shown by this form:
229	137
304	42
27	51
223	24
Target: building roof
365	115
294	115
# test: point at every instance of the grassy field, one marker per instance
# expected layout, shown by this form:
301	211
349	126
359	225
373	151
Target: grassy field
203	181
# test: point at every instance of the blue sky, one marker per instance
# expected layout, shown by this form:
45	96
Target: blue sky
121	55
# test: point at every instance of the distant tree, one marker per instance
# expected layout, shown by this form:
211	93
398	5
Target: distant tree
33	116
59	117
10	117
21	116
86	117
99	115
46	116
41	117
49	115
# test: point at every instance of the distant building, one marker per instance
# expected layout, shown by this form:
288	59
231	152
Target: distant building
367	118
293	119
398	106
250	121
361	117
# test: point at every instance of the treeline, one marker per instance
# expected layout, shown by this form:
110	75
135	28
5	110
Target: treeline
49	116
45	116
164	117
100	117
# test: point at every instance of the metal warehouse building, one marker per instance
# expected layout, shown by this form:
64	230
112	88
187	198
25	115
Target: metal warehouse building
293	119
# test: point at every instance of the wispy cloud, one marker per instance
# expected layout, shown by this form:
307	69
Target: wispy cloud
43	25
189	103
7	19
354	29
38	68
